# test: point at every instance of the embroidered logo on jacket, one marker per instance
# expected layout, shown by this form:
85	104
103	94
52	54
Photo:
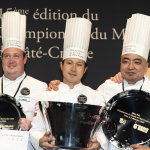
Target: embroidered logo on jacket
25	91
82	99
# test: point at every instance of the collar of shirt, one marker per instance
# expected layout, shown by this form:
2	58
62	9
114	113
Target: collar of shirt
7	81
139	83
64	87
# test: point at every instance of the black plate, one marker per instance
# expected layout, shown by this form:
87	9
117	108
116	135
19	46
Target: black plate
11	111
126	119
71	123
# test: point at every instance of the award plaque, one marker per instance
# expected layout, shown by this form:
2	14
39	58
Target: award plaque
11	111
70	123
125	119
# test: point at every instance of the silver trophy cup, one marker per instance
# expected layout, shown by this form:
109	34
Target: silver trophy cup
71	123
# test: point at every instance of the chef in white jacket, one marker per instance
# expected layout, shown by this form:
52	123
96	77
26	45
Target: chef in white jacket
15	82
133	63
73	66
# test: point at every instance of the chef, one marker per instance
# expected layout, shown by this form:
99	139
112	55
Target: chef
15	82
73	66
133	63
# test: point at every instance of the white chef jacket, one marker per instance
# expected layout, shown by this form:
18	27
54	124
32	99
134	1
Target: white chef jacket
109	89
28	102
64	94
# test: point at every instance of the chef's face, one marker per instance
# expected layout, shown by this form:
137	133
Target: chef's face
13	62
133	67
73	70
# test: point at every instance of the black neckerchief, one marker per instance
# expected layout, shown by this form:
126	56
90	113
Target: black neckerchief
17	88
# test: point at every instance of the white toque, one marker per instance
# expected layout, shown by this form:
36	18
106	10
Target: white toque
13	30
137	36
77	38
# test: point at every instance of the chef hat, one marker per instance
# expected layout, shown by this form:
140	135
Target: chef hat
77	38
137	36
13	30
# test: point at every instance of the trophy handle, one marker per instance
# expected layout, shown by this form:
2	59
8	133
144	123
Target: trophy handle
96	126
101	119
45	117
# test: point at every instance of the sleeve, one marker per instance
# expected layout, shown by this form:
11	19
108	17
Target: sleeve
101	138
99	99
37	131
101	90
43	89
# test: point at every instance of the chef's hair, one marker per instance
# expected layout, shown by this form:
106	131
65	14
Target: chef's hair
86	65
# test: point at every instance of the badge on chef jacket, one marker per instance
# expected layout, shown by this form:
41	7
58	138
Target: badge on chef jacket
82	99
25	91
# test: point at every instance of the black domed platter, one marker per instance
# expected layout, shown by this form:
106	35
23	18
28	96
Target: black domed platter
126	119
11	111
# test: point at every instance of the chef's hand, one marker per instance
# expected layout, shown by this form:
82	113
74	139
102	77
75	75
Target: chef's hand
25	124
117	78
93	144
139	147
53	85
45	141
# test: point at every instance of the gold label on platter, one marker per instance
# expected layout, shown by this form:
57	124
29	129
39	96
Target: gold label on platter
140	128
134	116
122	121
